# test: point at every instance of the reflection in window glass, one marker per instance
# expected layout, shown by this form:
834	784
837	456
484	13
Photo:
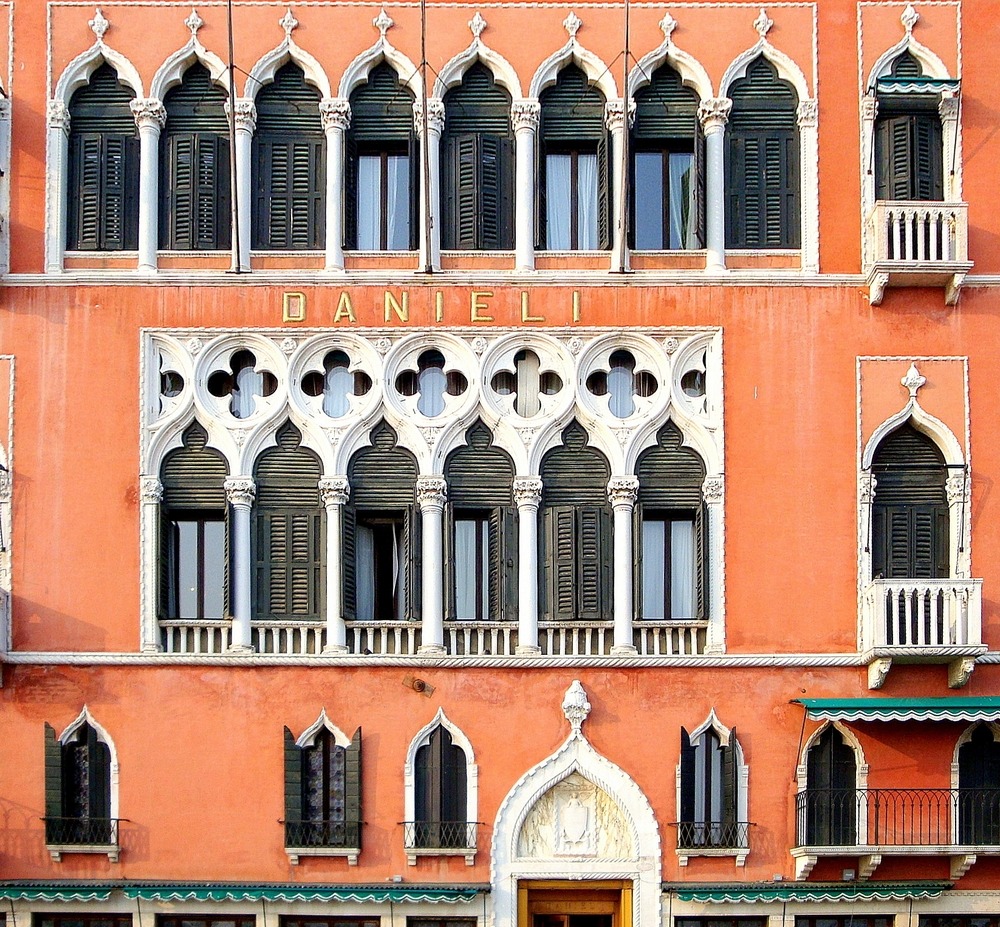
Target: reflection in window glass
472	594
664	200
649	200
571	202
668	568
380	569
383	202
198	567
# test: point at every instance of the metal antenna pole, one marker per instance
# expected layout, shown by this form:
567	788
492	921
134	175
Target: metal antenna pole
428	267
233	184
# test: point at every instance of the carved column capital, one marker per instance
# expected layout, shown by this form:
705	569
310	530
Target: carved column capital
713	489
614	114
240	491
5	486
869	107
714	112
435	116
948	106
866	486
245	115
525	115
148	112
808	114
150	490
958	488
623	491
57	115
334	490
432	493
527	491
336	113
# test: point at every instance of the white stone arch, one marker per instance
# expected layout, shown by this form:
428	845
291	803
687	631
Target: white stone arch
503	71
358	436
459	739
453	437
691	70
598	73
359	70
323	723
694	435
787	69
641	864
924	422
171	72
170	439
599	437
266	436
85	717
267	66
852	741
931	64
78	72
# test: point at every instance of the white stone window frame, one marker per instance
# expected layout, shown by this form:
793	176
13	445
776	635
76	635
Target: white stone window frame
56	851
726	739
458	739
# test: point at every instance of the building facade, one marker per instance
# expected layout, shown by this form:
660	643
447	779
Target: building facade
528	480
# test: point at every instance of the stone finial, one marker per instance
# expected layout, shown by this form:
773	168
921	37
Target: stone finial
478	25
762	24
194	22
288	23
572	24
909	18
575	706
383	22
913	380
667	26
99	25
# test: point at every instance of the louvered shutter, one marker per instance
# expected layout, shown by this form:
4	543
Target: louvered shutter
53	782
738	197
292	183
928	161
166	568
412	555
450	576
115	183
781	185
700	197
352	790
86	169
98	776
464	225
637	549
350	204
701	564
593	563
605	221
415	171
496	568
730	783
348	559
909	163
509	563
541	207
212	204
561	562
181	193
490	193
687	810
293	789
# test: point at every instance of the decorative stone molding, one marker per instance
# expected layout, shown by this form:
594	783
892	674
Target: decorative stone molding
99	25
527	491
909	18
288	23
866	486
525	114
623	491
240	491
148	112
948	108
869	107
912	380
807	113
667	26
614	114
714	112
435	116
477	25
432	492
959	672
572	24
958	488
335	113
57	115
383	22
150	489
878	671
334	490
762	24
713	489
575	707
194	22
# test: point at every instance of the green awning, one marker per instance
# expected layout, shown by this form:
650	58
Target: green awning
761	892
298	892
983	708
910	85
45	891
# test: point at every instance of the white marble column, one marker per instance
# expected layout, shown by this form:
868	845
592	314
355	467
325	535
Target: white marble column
335	492
336	114
430	192
713	492
614	117
5	140
714	114
240	491
524	116
57	180
622	492
151	497
951	145
527	496
150	118
807	119
246	125
432	492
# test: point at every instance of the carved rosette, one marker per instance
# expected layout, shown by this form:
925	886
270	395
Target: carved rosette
714	112
150	490
432	493
958	489
713	489
808	114
866	487
525	114
335	113
623	491
575	706
527	491
57	115
245	115
435	116
334	490
614	114
148	112
240	491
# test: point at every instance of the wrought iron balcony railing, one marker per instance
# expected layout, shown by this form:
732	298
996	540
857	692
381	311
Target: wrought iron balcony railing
439	835
898	817
714	835
81	831
332	834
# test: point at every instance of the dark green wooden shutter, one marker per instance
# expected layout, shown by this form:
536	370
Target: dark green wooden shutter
701	562
413	150
352	789
509	563
293	784
560	562
86	170
730	781
908	157
181	201
593	563
605	221
461	229
491	193
350	197
413	556
212	164
291	193
687	809
53	775
496	568
98	776
450	578
699	180
348	558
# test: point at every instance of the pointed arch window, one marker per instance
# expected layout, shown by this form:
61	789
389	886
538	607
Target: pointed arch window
712	792
762	161
288	540
573	213
289	157
667	192
979	789
828	809
103	190
440	794
477	164
194	172
380	211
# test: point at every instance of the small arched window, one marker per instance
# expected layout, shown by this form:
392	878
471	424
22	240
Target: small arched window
78	789
440	794
710	791
828	809
979	789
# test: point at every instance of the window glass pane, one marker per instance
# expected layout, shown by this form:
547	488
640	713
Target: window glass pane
653	568
649	200
187	569
557	202
369	202
586	201
364	545
682	569
432	384
680	168
621	384
466	578
215	568
526	365
339	386
398	208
